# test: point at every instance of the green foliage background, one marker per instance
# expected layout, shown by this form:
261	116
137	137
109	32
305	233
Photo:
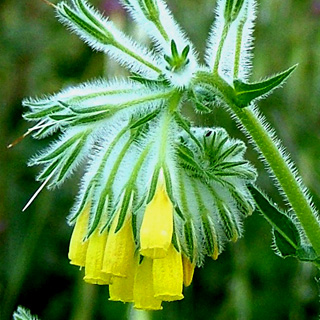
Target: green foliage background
248	281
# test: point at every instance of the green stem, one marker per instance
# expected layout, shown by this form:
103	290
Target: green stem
282	171
225	31
238	48
271	152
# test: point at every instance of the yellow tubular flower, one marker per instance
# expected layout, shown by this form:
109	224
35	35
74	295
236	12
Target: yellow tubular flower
119	251
188	271
93	267
121	289
143	293
78	247
157	225
168	276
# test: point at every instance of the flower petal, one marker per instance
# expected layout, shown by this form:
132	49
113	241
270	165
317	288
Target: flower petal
143	292
78	247
168	276
119	251
93	267
188	271
121	289
157	226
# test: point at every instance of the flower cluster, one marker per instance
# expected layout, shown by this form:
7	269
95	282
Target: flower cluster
146	254
158	195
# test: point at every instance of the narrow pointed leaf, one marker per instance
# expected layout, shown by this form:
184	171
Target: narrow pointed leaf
285	229
247	92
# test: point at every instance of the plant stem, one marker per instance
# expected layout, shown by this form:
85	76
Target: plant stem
282	171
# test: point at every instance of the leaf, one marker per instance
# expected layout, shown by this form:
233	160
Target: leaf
285	229
307	253
247	92
89	28
285	248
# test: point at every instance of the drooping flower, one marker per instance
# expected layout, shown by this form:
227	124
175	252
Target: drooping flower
157	225
158	195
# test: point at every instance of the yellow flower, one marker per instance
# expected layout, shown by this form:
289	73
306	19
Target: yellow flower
121	289
168	276
120	247
94	259
188	271
143	292
157	225
78	247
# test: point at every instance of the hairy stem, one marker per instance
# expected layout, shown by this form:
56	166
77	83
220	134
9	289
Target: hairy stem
283	173
270	150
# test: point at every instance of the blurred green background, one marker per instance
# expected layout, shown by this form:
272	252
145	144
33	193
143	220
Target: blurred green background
248	281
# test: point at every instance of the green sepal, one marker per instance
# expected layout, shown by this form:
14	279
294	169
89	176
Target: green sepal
200	107
85	199
34	115
153	184
185	52
61	149
70	160
168	183
210	236
179	212
229	225
40	134
97	214
203	105
189	239
244	206
187	158
48	170
185	125
134	225
245	93
124	209
175	239
233	151
174	50
145	119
